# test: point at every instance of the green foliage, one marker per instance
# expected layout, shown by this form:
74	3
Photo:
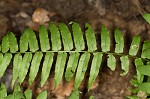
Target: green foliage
147	17
28	94
71	66
90	38
42	95
74	95
78	37
134	45
73	55
47	64
105	39
4	62
119	41
44	41
145	87
111	62
142	65
97	60
35	66
66	37
124	65
59	67
3	91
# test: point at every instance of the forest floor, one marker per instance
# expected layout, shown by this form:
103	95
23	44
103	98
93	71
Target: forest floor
16	15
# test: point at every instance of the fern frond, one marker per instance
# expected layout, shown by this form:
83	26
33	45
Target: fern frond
73	52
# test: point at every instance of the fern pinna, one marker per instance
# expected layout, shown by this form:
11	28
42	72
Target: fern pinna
28	53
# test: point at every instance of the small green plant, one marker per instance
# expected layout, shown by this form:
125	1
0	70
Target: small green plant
60	42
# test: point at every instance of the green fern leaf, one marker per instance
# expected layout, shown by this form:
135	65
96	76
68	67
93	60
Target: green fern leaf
17	88
33	44
42	95
35	66
13	43
96	63
66	37
48	60
5	44
124	65
3	91
4	62
23	42
90	38
119	41
138	63
91	97
147	17
134	45
111	62
0	47
146	50
17	94
55	37
82	66
25	66
105	39
145	87
16	67
44	40
71	66
28	37
28	94
59	67
1	58
9	42
74	95
144	69
11	96
78	37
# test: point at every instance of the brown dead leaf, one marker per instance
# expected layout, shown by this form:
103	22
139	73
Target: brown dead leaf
40	16
64	89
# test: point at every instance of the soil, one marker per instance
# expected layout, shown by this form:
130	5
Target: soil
16	15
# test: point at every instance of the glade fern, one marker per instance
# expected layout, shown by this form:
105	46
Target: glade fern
27	54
